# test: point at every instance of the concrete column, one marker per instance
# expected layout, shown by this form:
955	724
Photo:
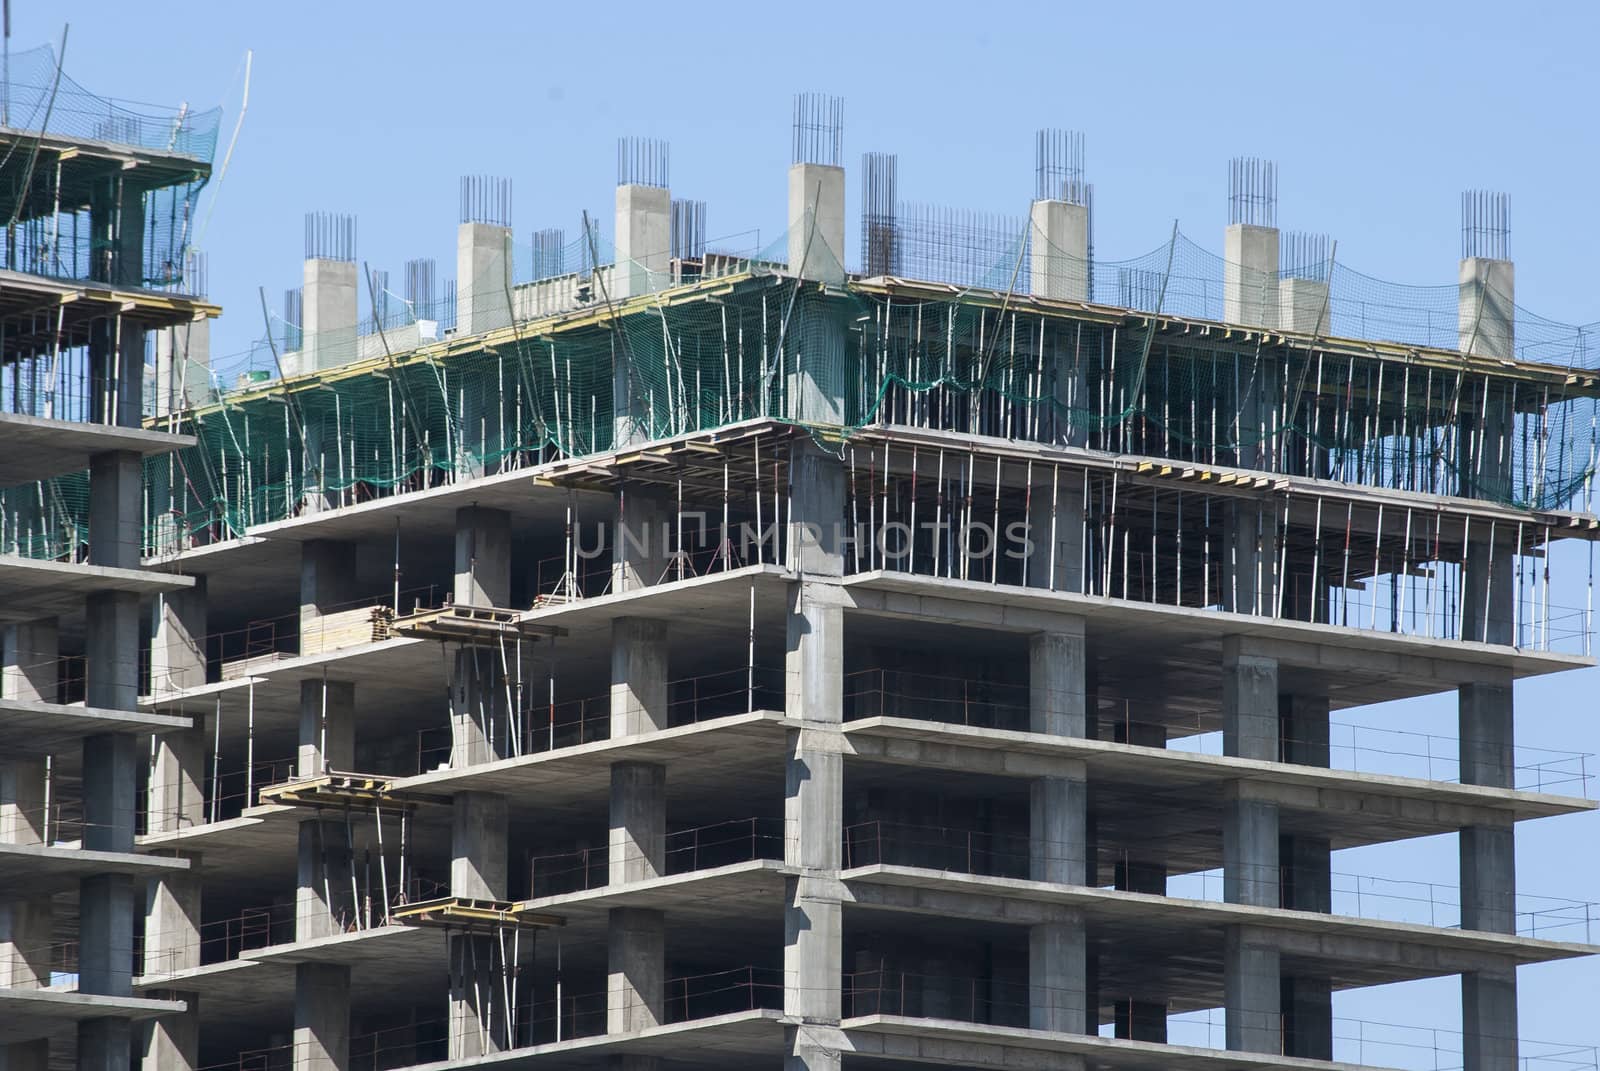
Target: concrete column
172	922
327	726
639	661
183	366
1057	964
638	822
327	580
1486	307
171	944
172	1042
321	879
178	639
642	545
479	839
321	1017
105	1045
116	372
483	557
1250	275
1249	704
175	796
1250	861
1250	543
636	976
816	222
816	386
644	241
1057	664
1058	262
1055	533
115	509
480	703
32	662
26	936
1057	850
1252	991
328	314
483	278
1303	306
480	830
1488	875
24	788
814	781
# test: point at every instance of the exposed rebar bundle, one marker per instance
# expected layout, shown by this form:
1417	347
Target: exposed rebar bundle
420	278
1485	225
1252	191
196	273
330	236
643	162
486	199
688	229
818	129
1302	255
879	198
293	317
1058	167
380	296
549	253
960	246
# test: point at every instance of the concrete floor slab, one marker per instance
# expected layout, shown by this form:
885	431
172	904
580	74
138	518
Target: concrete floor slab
32	869
42	728
26	1014
34	448
36	588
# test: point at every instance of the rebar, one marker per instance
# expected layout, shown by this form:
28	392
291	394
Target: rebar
1058	167
1252	191
549	253
1302	255
688	241
330	236
293	317
818	129
643	162
958	246
486	199
880	187
420	276
196	273
1485	225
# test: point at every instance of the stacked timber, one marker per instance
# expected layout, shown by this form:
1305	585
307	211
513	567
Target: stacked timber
348	628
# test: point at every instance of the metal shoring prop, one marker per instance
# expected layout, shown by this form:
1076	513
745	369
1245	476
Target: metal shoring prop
250	745
1027	514
383	866
216	757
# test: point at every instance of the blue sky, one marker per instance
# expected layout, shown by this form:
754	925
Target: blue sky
1378	115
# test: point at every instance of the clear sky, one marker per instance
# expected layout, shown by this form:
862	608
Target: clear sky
1378	115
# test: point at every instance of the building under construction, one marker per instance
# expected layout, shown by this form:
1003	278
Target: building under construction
647	654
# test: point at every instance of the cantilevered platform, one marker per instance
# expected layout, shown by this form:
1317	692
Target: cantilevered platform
28	870
35	588
26	1014
40	728
34	448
